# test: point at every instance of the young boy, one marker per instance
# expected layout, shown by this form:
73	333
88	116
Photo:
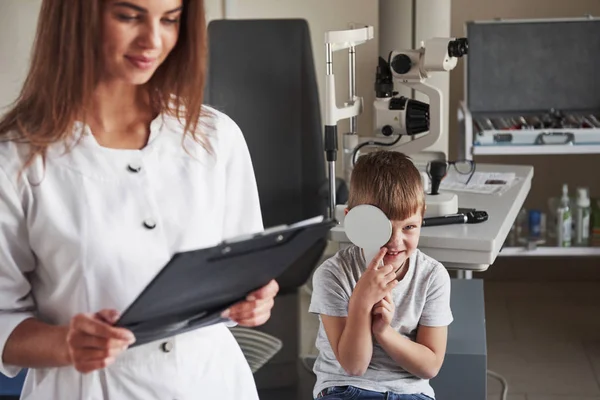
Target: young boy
383	329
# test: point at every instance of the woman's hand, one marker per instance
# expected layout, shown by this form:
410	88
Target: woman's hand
256	309
94	343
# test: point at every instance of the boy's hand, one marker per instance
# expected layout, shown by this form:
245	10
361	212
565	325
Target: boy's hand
374	283
383	312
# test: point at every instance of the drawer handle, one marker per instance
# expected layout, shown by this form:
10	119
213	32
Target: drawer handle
567	138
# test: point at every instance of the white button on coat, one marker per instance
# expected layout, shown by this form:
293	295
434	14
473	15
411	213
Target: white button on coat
71	236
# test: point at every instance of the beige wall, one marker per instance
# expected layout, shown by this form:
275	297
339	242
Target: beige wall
550	171
18	19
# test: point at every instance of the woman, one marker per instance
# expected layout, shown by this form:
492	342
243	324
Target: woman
109	164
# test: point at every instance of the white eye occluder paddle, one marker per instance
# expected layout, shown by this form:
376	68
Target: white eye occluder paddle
368	228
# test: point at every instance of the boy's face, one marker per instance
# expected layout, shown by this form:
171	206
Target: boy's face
404	240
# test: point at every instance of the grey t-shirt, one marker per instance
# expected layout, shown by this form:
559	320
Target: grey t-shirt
422	297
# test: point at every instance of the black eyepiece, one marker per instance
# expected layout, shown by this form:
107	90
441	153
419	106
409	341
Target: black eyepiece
458	47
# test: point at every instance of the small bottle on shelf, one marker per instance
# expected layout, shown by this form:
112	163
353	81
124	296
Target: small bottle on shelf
535	224
521	225
582	218
564	219
595	222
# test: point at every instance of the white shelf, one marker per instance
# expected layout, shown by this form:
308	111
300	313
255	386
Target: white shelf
547	251
536	149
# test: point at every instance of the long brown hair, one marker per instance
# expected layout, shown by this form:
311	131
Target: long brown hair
65	66
388	180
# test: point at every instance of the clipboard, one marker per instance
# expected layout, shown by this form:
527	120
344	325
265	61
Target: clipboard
195	287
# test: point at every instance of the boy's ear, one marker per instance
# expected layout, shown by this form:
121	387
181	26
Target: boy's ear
346	211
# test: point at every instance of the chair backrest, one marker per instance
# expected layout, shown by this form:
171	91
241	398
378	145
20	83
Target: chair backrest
261	73
258	347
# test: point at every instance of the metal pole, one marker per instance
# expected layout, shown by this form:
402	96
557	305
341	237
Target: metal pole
332	199
330	141
328	58
352	84
464	274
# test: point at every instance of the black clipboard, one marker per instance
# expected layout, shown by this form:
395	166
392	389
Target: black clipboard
195	287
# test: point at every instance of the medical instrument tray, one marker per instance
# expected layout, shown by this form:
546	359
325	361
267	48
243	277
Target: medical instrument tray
531	83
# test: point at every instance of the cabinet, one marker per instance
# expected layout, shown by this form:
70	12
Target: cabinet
531	92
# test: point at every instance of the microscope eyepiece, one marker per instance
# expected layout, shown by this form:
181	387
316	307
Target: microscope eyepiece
458	47
384	85
401	64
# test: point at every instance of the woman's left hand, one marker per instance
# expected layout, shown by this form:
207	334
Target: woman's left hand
256	309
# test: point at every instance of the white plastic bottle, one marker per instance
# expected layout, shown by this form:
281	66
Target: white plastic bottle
582	218
564	219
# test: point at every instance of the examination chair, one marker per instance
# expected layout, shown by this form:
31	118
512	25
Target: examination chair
261	74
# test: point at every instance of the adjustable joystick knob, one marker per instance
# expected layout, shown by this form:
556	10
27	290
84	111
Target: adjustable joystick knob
437	172
387	130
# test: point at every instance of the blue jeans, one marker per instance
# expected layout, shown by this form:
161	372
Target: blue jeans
354	393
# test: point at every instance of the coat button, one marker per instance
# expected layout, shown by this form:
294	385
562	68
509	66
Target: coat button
150	223
133	167
166	347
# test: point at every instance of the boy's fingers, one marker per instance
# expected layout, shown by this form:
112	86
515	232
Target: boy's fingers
387	267
392	284
383	303
388	305
391	275
377	261
378	311
377	304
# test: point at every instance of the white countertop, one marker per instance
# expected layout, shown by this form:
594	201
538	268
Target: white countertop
473	246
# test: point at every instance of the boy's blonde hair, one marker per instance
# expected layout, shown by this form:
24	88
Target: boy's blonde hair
390	181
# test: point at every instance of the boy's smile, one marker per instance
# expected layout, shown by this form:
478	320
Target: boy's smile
392	256
404	240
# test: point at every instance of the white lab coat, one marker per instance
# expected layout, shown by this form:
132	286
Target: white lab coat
75	237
